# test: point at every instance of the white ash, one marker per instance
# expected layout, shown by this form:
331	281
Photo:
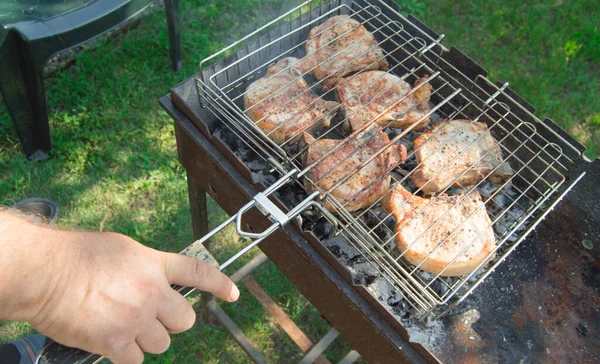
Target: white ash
507	207
340	247
382	222
364	273
429	332
241	150
258	177
256	165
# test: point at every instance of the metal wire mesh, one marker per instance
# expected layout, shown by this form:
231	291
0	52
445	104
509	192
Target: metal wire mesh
539	157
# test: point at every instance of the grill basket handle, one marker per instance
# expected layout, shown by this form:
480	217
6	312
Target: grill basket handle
55	353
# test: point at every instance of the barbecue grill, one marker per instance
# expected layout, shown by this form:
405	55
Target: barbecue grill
535	149
384	306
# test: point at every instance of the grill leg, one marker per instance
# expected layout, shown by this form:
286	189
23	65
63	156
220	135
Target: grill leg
197	197
172	10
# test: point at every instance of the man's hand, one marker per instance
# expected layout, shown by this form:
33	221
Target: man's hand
104	292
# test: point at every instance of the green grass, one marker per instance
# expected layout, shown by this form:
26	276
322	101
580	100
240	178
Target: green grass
114	165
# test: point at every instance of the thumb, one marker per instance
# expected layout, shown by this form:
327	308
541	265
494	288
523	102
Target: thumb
191	272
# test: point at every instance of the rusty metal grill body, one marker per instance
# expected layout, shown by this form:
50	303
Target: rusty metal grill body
538	154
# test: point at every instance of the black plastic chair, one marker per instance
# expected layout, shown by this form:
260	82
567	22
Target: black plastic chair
33	31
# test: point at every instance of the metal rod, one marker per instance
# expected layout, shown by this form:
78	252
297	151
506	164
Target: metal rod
236	333
320	347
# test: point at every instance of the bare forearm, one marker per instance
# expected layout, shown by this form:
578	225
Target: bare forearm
27	263
101	292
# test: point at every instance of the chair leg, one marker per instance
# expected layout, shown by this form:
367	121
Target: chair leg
22	86
172	9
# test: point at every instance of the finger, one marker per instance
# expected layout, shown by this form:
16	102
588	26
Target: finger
154	338
129	354
176	313
191	272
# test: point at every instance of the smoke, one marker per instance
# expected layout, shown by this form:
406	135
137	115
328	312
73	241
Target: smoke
232	20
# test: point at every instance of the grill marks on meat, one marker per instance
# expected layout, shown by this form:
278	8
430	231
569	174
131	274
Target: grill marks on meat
460	153
367	184
459	230
340	46
368	94
282	104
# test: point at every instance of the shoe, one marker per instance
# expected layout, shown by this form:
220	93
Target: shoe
42	210
22	351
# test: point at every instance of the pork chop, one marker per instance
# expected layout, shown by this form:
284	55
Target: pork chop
460	153
368	94
282	105
367	184
340	46
464	231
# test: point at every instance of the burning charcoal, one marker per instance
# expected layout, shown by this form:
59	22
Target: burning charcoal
425	276
360	277
293	148
357	259
335	250
256	165
339	246
291	196
439	288
500	200
218	133
394	299
409	164
373	219
486	189
434	119
323	229
452	190
260	177
381	288
227	136
405	317
366	268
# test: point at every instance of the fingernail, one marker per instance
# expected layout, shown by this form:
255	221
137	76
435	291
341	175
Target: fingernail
234	294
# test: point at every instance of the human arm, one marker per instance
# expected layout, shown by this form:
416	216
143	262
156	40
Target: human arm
101	292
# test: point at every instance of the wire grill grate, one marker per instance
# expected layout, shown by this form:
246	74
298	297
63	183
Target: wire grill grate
539	157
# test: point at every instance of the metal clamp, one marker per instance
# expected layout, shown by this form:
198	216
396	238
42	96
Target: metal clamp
269	209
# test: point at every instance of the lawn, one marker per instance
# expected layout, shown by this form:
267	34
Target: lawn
114	167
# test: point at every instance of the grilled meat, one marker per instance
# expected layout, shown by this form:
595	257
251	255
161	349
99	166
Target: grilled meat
368	94
340	46
460	153
434	232
365	185
282	105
